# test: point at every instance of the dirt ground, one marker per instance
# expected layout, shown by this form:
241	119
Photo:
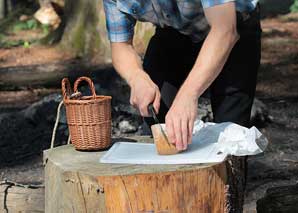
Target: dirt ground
277	88
37	54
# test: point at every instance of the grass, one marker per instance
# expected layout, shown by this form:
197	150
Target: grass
11	26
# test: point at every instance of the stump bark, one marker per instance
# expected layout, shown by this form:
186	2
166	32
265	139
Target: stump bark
77	182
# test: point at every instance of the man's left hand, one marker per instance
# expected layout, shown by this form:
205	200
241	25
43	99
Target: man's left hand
180	118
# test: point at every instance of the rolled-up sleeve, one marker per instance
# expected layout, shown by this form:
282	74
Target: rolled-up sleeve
120	26
211	3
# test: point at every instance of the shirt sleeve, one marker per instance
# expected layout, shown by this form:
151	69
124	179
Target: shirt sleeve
120	26
211	3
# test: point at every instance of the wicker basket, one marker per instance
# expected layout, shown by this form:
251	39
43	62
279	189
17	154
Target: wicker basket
88	117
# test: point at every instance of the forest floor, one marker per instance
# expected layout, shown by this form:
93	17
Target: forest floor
277	88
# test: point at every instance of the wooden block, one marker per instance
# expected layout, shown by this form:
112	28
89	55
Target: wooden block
162	144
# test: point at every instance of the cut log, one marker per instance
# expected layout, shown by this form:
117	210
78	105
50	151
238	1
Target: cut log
49	75
20	199
26	97
77	182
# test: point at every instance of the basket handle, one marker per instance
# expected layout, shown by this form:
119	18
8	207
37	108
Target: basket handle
66	88
90	83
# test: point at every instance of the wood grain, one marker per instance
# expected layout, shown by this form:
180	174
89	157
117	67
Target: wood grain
187	191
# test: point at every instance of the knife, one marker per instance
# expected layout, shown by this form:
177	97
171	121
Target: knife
152	112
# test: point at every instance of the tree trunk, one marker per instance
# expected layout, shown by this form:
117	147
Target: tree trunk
83	30
2	9
76	181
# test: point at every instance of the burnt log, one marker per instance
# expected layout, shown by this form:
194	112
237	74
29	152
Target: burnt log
282	199
50	75
25	133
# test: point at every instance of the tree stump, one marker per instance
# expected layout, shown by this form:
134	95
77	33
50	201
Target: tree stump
77	182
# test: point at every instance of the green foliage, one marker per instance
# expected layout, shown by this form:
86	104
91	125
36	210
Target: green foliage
26	44
45	29
19	26
6	44
1	37
6	23
11	25
294	7
25	25
32	24
10	44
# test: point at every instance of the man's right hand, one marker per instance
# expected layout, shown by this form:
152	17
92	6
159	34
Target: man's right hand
129	65
144	92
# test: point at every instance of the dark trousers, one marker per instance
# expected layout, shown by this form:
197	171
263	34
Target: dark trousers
171	55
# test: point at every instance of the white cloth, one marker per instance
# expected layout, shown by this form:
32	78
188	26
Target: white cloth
211	143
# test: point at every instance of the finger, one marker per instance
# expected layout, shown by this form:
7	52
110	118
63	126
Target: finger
156	103
190	130
131	100
144	110
170	130
133	103
178	134
184	130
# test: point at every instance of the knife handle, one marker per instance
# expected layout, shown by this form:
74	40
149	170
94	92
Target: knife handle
152	112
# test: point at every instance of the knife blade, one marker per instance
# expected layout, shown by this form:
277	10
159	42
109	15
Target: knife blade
152	112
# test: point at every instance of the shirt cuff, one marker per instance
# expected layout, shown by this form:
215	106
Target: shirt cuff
211	3
120	37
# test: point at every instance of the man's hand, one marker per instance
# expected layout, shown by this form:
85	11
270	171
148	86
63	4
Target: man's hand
128	64
180	118
143	93
211	59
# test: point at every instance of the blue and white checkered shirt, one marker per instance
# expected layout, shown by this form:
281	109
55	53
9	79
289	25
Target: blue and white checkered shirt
187	16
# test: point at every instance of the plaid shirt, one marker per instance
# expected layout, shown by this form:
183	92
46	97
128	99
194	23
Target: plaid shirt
187	16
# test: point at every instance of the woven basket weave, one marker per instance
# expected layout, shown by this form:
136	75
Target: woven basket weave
88	117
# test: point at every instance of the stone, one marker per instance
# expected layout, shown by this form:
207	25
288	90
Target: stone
259	113
47	15
127	127
204	110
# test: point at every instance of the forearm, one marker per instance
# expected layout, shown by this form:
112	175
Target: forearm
126	61
211	59
216	48
143	90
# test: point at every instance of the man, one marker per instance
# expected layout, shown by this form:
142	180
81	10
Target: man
198	44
